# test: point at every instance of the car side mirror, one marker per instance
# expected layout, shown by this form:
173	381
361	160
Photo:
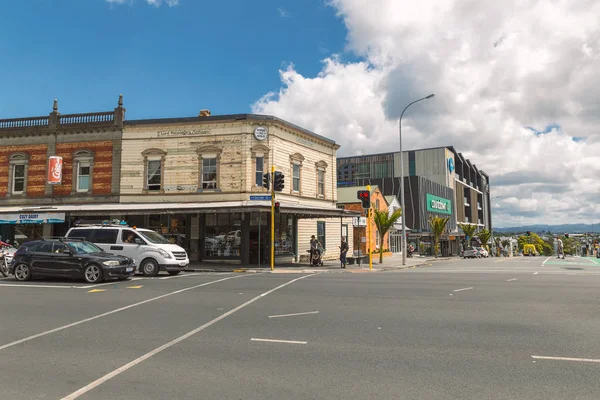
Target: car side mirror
138	241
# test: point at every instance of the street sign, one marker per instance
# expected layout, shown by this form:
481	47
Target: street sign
260	198
359	221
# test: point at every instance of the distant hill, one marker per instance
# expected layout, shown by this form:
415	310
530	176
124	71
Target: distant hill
567	228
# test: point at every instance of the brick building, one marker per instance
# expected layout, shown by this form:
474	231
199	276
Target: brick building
89	145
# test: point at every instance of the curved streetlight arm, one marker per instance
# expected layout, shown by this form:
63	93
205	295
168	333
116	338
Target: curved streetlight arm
403	242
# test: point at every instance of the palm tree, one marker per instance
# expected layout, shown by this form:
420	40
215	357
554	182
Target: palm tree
438	225
469	230
384	221
485	236
505	246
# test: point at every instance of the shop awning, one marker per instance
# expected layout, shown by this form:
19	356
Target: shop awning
302	211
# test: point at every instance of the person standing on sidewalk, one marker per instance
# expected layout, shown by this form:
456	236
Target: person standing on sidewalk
343	250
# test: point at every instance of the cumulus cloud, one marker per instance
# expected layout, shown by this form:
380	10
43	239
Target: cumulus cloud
517	88
155	3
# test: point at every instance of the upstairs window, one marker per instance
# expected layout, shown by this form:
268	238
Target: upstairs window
154	169
18	169
209	159
83	162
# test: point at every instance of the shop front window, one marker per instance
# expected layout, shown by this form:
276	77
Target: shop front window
223	235
284	234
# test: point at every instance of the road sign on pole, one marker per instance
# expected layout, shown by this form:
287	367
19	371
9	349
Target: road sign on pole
272	219
260	198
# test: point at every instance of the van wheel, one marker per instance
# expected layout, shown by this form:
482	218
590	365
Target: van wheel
149	267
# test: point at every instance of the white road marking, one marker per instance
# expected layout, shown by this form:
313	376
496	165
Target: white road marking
39	286
278	341
60	328
179	276
99	284
293	315
165	346
510	280
546	260
535	273
591	360
460	290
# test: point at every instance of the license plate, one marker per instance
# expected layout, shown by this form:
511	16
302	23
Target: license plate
129	269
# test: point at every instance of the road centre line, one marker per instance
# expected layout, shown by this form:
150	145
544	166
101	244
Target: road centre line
60	328
463	289
590	360
165	346
278	341
510	280
293	315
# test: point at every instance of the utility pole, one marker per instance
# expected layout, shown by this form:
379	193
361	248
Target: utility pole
369	230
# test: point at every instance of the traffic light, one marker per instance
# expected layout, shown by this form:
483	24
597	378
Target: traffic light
266	181
567	235
278	181
528	233
277	206
365	198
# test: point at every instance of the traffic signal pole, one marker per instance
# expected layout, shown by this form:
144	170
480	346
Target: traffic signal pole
272	218
369	230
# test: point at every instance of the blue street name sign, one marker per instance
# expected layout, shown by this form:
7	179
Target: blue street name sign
260	197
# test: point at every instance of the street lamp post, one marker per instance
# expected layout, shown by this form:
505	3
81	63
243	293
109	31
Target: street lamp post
492	230
402	178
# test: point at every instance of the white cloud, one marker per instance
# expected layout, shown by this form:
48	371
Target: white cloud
495	68
283	13
155	3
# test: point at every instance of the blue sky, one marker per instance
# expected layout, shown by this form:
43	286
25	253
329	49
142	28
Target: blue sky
166	61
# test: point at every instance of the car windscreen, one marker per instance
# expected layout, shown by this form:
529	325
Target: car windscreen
153	237
84	247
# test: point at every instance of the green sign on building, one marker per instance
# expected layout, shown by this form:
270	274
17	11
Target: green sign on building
438	205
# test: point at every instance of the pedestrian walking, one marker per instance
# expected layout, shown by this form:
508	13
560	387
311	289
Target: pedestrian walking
343	250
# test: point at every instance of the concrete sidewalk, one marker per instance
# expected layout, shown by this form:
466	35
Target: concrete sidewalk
389	264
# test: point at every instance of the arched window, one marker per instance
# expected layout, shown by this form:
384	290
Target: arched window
154	170
321	168
83	165
209	157
296	168
17	174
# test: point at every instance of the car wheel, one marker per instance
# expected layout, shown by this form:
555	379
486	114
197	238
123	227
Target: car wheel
149	267
22	272
92	274
174	272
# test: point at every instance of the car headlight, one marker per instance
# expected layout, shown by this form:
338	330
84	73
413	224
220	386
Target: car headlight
111	263
164	253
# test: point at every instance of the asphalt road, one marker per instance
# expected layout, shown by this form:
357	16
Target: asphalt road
523	328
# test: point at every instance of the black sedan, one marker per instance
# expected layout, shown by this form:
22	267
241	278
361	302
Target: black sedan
68	258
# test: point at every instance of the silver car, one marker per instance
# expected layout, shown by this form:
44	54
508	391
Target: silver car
471	252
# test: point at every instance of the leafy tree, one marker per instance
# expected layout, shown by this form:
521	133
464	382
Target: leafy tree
534	239
384	222
438	225
469	230
485	236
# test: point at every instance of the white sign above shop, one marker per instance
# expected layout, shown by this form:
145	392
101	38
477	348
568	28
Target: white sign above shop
32	218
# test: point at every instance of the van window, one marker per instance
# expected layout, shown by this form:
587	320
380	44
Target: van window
105	236
80	234
154	237
128	236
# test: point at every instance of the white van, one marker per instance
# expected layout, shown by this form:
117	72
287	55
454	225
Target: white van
150	251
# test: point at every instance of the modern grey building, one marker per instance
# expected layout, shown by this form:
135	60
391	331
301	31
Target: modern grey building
438	181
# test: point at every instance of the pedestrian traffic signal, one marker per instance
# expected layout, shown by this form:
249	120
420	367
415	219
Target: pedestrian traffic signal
278	181
266	181
365	198
277	205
